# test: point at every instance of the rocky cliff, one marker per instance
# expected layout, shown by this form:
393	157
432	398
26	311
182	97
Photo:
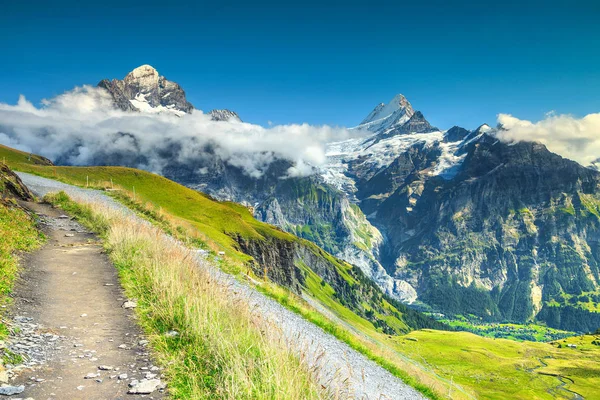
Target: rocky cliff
308	270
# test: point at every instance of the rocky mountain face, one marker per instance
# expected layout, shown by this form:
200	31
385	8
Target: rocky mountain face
505	231
513	232
143	89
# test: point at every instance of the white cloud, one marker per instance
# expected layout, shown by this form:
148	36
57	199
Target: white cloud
575	138
81	127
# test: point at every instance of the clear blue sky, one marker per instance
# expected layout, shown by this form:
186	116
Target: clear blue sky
323	62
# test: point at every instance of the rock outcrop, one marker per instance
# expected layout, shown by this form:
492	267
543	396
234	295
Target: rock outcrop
11	186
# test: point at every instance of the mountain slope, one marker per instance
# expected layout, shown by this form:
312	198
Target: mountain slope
504	361
282	257
512	232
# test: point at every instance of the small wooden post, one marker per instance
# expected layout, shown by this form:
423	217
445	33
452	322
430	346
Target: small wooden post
87	181
4	160
134	193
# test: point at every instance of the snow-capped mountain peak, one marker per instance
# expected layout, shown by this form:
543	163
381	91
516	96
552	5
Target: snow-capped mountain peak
145	76
483	128
224	115
145	90
384	116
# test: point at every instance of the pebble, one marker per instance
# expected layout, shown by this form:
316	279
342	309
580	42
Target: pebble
122	377
105	368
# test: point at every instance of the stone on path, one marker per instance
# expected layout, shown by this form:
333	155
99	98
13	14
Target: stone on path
11	390
145	386
129	304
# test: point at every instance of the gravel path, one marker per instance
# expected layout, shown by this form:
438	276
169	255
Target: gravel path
345	371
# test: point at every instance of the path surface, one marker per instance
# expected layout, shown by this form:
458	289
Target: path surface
68	308
344	370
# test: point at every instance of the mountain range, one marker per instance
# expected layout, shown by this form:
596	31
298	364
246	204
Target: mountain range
453	221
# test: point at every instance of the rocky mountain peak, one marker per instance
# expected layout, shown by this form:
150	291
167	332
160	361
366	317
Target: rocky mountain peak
144	76
145	90
384	116
483	128
415	124
224	115
456	133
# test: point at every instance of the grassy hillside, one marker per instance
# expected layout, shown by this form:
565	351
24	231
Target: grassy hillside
17	234
443	364
223	225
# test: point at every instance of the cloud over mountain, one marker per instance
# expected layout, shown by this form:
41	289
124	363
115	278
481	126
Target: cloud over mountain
82	127
575	138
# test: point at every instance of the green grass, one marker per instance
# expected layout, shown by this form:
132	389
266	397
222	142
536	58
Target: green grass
17	234
11	358
501	369
588	301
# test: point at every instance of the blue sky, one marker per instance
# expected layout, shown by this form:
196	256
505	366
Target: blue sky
318	62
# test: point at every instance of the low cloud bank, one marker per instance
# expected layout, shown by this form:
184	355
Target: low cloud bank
575	138
81	127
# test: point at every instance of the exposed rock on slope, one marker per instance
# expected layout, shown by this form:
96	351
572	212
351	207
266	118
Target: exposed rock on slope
11	186
300	265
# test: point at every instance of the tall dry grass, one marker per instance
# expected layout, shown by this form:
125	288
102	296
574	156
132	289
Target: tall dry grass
221	349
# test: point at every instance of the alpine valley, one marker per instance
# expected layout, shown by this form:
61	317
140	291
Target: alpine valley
452	222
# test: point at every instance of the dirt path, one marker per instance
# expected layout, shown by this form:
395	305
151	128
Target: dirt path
71	321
